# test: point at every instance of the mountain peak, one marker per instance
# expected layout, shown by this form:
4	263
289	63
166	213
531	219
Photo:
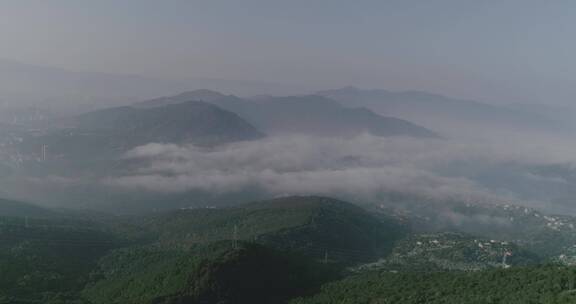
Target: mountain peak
204	95
200	95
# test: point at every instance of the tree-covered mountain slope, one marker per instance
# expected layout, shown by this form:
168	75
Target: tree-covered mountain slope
538	285
113	131
48	260
317	226
222	272
273	251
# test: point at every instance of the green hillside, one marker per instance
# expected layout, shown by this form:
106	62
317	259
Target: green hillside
272	251
216	273
537	285
317	226
290	245
48	260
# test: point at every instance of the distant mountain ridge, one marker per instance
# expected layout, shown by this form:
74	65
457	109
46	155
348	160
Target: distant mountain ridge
63	88
328	117
12	208
113	131
196	122
204	95
308	114
439	112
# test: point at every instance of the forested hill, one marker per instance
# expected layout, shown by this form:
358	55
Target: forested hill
538	285
312	225
304	249
113	131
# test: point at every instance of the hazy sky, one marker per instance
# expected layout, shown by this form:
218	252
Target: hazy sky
507	50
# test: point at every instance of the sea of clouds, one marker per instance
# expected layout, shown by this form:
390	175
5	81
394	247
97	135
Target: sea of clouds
361	167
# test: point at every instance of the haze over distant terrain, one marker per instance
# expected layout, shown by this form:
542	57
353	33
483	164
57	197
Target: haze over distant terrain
287	152
58	92
204	147
499	52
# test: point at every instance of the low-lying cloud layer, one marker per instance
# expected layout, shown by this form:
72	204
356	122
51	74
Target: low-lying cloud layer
361	167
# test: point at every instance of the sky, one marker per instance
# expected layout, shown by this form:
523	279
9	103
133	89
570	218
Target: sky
498	51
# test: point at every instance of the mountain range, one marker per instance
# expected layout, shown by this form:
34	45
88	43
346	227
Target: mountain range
59	91
447	115
113	131
308	114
